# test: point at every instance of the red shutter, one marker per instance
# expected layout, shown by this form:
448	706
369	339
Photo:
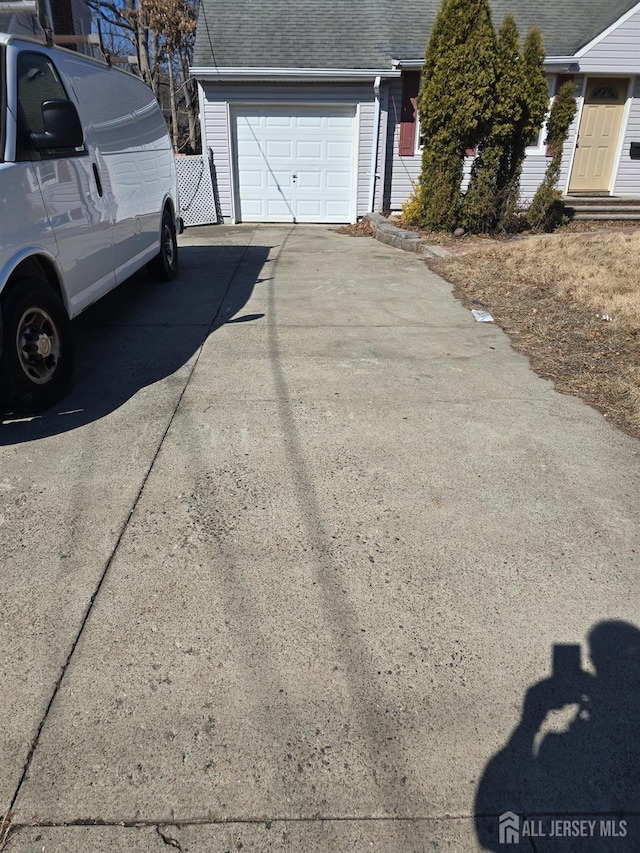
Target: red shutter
409	113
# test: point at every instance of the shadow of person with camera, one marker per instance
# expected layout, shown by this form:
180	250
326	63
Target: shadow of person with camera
574	784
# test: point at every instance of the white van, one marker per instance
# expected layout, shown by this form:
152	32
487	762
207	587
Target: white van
88	195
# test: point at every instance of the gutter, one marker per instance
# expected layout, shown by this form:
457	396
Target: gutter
374	145
25	7
363	75
557	63
258	74
562	63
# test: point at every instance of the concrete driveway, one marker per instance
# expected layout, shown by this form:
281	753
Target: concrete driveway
280	571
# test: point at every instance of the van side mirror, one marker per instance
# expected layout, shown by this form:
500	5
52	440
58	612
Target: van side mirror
62	128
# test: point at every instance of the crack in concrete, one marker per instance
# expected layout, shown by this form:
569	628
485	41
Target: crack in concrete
209	821
168	840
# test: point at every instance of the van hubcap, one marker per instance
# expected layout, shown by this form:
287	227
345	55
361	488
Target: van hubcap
38	345
168	246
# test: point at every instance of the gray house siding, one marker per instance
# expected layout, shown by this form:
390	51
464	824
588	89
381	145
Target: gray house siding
217	99
215	137
365	143
402	172
81	17
533	169
379	195
617	51
628	178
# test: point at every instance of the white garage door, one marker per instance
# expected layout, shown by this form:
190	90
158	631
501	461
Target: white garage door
294	163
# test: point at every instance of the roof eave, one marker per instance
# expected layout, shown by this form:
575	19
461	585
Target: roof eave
557	63
214	75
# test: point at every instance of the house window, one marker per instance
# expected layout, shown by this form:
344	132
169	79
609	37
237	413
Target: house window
604	93
538	145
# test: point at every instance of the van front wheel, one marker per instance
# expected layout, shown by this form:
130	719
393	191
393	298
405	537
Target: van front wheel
36	365
165	264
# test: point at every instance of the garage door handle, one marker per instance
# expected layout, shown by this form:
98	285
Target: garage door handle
294	178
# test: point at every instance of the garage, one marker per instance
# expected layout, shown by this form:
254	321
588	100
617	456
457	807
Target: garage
294	163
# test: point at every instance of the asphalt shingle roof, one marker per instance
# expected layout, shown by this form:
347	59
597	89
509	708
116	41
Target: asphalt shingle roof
369	33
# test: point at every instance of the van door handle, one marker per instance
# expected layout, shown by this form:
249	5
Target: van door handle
97	177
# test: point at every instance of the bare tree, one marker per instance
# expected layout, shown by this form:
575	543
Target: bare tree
161	35
175	23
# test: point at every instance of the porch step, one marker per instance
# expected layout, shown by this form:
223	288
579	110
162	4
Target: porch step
602	208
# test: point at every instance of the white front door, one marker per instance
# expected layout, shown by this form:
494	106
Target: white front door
295	163
598	134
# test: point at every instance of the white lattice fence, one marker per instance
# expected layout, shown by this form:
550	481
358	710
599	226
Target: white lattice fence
198	203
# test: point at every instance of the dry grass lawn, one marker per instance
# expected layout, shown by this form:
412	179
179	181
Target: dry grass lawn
571	302
5	829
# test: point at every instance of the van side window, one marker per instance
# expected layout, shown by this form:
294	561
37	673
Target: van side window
38	81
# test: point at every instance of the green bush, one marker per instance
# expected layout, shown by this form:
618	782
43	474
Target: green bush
492	198
455	103
545	212
480	205
440	182
412	207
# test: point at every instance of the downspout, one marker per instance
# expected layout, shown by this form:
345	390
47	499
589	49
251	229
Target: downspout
374	145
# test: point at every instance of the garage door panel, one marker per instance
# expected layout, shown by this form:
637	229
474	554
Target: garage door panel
255	210
309	121
338	121
311	149
249	148
339	151
253	178
275	180
278	120
279	208
312	209
336	208
338	180
310	180
277	149
304	155
253	121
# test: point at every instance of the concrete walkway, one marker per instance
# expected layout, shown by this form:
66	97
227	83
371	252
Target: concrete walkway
280	571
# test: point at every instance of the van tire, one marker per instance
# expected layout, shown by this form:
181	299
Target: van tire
164	266
36	364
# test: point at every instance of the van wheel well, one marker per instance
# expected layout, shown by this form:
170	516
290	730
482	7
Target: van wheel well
164	267
35	268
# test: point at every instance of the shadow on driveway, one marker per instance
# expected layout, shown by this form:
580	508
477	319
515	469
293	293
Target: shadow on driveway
143	332
569	777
